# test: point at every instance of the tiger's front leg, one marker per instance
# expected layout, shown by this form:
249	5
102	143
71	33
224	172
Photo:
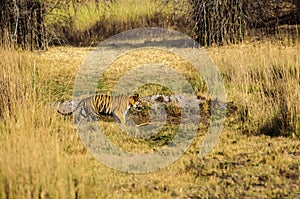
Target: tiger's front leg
120	117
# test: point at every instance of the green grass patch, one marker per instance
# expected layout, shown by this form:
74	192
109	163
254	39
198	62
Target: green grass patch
88	23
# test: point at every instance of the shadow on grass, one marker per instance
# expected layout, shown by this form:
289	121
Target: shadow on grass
276	127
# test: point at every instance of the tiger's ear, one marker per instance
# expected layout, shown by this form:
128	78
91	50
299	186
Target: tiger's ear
136	97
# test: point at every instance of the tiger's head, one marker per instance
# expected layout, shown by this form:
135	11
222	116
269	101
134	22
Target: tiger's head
135	101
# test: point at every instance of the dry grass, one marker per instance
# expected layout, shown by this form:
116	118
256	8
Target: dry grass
263	80
42	156
86	23
84	15
141	57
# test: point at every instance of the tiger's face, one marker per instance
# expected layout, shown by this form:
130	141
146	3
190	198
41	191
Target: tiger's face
135	101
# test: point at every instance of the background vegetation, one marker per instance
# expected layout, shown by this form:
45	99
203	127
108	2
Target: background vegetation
37	23
257	155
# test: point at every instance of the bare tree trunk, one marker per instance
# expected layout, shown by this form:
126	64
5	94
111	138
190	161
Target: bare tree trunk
22	24
229	21
219	21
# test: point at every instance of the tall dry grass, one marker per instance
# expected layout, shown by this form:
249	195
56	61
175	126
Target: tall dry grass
263	79
17	78
32	162
42	157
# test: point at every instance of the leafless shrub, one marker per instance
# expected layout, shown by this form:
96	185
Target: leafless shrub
22	24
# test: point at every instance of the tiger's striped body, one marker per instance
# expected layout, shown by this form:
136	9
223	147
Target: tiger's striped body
91	108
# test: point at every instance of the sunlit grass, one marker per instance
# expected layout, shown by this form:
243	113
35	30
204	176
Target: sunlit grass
133	10
263	80
85	15
87	23
80	17
140	58
41	155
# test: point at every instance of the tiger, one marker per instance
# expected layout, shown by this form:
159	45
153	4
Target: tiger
91	108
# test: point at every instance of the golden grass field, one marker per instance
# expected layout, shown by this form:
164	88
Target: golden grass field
256	156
